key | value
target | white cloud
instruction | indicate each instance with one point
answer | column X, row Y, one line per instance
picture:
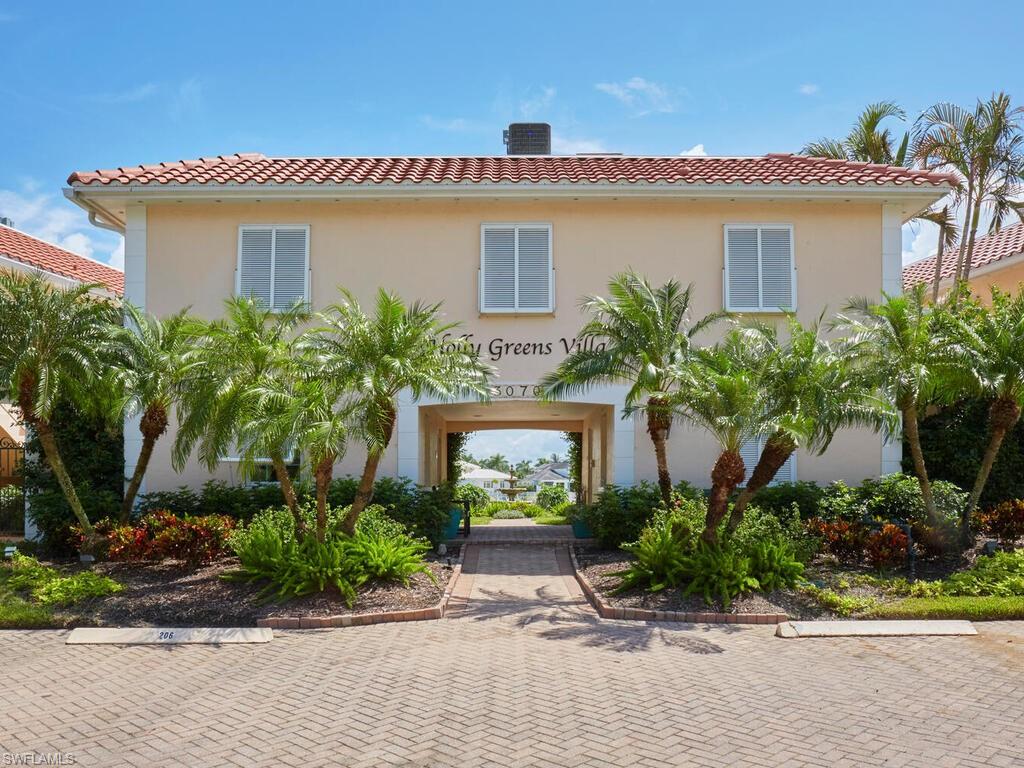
column 563, row 145
column 643, row 96
column 697, row 150
column 533, row 105
column 57, row 221
column 808, row 89
column 188, row 98
column 920, row 240
column 138, row 93
column 516, row 444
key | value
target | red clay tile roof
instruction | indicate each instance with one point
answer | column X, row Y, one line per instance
column 42, row 255
column 1009, row 241
column 781, row 169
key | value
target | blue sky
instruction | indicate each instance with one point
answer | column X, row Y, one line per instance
column 102, row 84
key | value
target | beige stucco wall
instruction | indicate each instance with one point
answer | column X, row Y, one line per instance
column 1007, row 278
column 431, row 250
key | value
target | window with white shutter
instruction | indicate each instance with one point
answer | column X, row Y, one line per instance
column 273, row 264
column 760, row 272
column 515, row 268
column 750, row 452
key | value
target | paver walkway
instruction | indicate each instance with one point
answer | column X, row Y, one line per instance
column 525, row 675
column 520, row 531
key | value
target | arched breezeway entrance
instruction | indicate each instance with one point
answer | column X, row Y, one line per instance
column 608, row 440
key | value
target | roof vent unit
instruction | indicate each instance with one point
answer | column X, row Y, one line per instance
column 528, row 139
column 6, row 222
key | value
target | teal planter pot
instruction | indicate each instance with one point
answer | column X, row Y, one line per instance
column 581, row 530
column 454, row 521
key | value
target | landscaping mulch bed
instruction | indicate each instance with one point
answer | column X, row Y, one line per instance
column 598, row 566
column 172, row 594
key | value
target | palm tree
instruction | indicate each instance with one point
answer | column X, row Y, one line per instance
column 498, row 462
column 224, row 405
column 949, row 233
column 313, row 411
column 641, row 336
column 153, row 355
column 988, row 344
column 811, row 393
column 54, row 346
column 867, row 141
column 722, row 390
column 985, row 148
column 398, row 348
column 895, row 342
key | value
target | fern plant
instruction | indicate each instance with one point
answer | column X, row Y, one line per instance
column 774, row 565
column 660, row 552
column 718, row 570
column 388, row 558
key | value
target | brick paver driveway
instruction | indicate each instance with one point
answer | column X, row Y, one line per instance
column 521, row 687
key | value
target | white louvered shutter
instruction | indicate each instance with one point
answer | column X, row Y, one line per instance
column 254, row 263
column 534, row 273
column 290, row 244
column 498, row 264
column 742, row 274
column 750, row 452
column 776, row 268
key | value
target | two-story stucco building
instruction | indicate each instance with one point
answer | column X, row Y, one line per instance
column 510, row 243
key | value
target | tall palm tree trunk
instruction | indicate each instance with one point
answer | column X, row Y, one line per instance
column 364, row 492
column 288, row 490
column 963, row 239
column 323, row 473
column 658, row 422
column 975, row 217
column 728, row 472
column 53, row 457
column 777, row 449
column 1003, row 414
column 917, row 456
column 939, row 253
column 152, row 426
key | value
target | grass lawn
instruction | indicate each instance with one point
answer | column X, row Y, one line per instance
column 946, row 607
column 550, row 519
column 18, row 613
column 482, row 520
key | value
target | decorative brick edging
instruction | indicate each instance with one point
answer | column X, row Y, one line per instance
column 606, row 611
column 362, row 619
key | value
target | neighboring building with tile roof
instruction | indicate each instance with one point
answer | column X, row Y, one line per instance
column 997, row 260
column 21, row 252
column 510, row 244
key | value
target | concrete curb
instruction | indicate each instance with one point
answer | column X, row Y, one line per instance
column 607, row 611
column 362, row 619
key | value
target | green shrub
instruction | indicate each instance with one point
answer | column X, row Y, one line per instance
column 508, row 514
column 93, row 453
column 890, row 499
column 1000, row 575
column 720, row 571
column 527, row 508
column 49, row 587
column 774, row 565
column 776, row 526
column 269, row 552
column 181, row 501
column 620, row 513
column 661, row 555
column 474, row 494
column 551, row 496
column 953, row 442
column 779, row 499
column 374, row 521
column 840, row 605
